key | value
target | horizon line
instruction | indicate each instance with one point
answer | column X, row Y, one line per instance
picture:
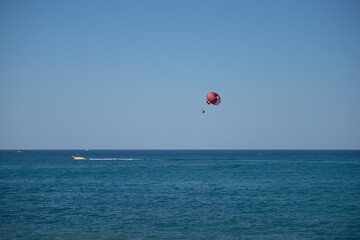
column 180, row 149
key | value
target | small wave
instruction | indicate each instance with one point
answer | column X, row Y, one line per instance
column 114, row 159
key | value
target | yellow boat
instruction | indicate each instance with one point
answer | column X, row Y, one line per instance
column 77, row 157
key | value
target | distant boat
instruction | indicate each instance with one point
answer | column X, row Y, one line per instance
column 77, row 157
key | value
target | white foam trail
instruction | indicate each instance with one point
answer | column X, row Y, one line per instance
column 113, row 159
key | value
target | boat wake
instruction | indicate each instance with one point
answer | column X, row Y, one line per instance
column 114, row 159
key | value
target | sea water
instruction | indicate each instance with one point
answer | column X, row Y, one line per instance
column 180, row 194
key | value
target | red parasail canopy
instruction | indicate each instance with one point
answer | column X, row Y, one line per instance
column 213, row 98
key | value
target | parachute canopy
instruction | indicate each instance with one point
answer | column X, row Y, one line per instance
column 213, row 98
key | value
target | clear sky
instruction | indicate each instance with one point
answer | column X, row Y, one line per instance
column 134, row 74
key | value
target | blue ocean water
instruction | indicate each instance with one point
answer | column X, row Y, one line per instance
column 180, row 194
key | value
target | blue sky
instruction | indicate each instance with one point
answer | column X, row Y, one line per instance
column 134, row 74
